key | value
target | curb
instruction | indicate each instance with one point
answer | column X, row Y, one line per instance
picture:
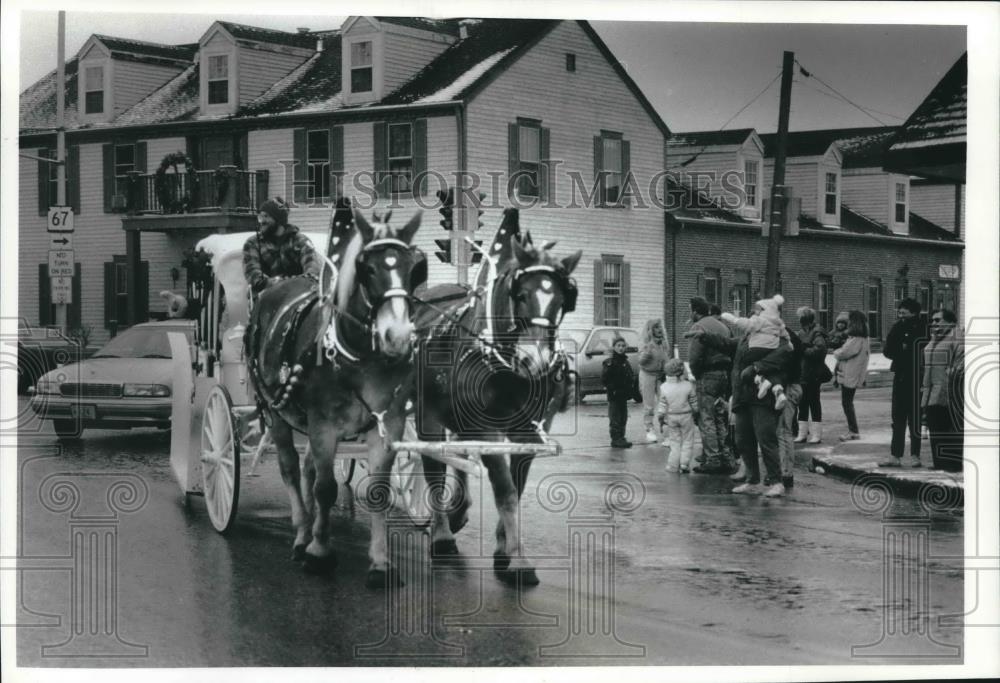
column 937, row 487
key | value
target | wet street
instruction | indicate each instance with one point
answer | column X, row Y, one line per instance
column 637, row 567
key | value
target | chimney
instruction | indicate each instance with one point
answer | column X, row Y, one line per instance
column 463, row 27
column 302, row 29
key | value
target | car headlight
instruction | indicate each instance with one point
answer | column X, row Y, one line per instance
column 47, row 387
column 145, row 390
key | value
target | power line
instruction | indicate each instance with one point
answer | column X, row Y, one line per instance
column 839, row 99
column 864, row 110
column 733, row 118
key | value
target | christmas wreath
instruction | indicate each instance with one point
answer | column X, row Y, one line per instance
column 174, row 194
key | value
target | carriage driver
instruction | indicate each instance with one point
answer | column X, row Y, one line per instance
column 278, row 249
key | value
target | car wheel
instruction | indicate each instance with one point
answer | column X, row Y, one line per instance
column 67, row 429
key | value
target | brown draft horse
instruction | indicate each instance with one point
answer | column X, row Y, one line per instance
column 336, row 363
column 488, row 367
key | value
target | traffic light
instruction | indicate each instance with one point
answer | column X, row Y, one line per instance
column 477, row 253
column 479, row 221
column 447, row 202
column 444, row 250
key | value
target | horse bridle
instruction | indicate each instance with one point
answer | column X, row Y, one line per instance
column 566, row 282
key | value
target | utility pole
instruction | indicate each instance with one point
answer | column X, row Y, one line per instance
column 61, row 317
column 779, row 199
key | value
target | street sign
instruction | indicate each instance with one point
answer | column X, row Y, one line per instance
column 61, row 241
column 60, row 263
column 60, row 219
column 62, row 290
column 946, row 272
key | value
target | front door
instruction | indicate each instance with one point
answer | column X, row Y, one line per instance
column 218, row 151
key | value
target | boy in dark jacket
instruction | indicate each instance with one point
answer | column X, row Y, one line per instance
column 619, row 381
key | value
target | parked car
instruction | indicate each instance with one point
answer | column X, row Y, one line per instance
column 589, row 348
column 40, row 349
column 127, row 383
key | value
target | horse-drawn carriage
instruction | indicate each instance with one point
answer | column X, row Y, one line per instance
column 298, row 360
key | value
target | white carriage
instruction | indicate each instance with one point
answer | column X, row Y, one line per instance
column 214, row 407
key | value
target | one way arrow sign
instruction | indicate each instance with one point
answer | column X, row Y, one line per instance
column 61, row 241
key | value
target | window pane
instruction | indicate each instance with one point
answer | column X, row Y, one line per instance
column 361, row 80
column 400, row 140
column 831, row 183
column 218, row 66
column 872, row 298
column 613, row 155
column 900, row 213
column 361, row 54
column 712, row 290
column 94, row 102
column 124, row 159
column 830, row 205
column 95, row 78
column 218, row 92
column 528, row 144
column 900, row 192
column 319, row 145
column 750, row 182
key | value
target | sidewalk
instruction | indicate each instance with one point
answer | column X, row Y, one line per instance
column 852, row 459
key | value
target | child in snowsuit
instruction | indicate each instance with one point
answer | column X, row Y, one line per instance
column 619, row 380
column 837, row 338
column 766, row 332
column 676, row 409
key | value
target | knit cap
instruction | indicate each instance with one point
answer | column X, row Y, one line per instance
column 276, row 209
column 674, row 368
column 769, row 307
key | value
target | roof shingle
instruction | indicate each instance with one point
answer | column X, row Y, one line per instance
column 710, row 138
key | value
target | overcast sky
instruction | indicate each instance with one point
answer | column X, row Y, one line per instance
column 697, row 75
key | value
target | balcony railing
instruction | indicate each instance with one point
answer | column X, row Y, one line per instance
column 224, row 189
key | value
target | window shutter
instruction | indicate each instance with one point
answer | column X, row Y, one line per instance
column 381, row 161
column 110, row 308
column 336, row 162
column 626, row 317
column 513, row 156
column 243, row 151
column 108, row 152
column 141, row 151
column 545, row 172
column 44, row 296
column 73, row 178
column 74, row 317
column 598, row 165
column 598, row 292
column 626, row 183
column 142, row 294
column 420, row 156
column 43, row 183
column 301, row 174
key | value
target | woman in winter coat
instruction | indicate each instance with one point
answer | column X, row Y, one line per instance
column 941, row 391
column 852, row 368
column 814, row 373
column 653, row 356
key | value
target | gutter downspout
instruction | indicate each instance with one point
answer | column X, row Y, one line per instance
column 673, row 279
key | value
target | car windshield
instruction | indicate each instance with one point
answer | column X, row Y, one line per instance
column 140, row 342
column 573, row 339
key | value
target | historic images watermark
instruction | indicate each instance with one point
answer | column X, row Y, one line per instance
column 417, row 627
column 553, row 185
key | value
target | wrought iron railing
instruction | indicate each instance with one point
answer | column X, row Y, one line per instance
column 224, row 189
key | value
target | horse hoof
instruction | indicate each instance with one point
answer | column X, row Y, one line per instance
column 382, row 579
column 518, row 577
column 444, row 548
column 500, row 562
column 314, row 564
column 458, row 519
column 299, row 552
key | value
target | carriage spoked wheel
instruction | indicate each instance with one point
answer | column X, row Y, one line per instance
column 220, row 459
column 408, row 481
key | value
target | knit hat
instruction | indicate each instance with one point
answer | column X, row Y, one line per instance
column 674, row 368
column 842, row 316
column 769, row 307
column 699, row 305
column 276, row 209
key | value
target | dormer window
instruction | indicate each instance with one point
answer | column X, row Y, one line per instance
column 361, row 66
column 94, row 90
column 900, row 203
column 750, row 184
column 218, row 79
column 830, row 194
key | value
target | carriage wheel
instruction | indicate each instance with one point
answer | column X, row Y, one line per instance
column 408, row 481
column 343, row 470
column 220, row 459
